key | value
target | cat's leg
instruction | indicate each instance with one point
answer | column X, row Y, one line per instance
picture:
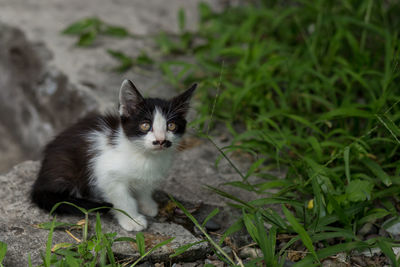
column 146, row 203
column 119, row 195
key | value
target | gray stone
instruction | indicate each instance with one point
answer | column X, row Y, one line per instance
column 367, row 229
column 19, row 217
column 36, row 99
column 394, row 229
column 211, row 225
column 44, row 20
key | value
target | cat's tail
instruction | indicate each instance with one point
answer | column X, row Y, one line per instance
column 47, row 199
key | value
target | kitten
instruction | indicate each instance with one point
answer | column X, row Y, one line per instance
column 114, row 160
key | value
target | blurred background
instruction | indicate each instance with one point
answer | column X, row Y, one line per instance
column 47, row 81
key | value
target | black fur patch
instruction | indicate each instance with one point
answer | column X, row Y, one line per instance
column 65, row 172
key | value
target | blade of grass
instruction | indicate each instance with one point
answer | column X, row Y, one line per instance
column 140, row 243
column 302, row 233
column 209, row 216
column 3, row 251
column 388, row 251
column 47, row 259
column 209, row 239
column 163, row 243
column 185, row 247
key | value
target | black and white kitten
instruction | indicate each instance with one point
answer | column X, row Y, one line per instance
column 114, row 160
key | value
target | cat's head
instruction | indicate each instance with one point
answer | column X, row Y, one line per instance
column 153, row 124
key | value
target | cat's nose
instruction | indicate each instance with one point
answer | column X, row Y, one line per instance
column 162, row 143
column 159, row 142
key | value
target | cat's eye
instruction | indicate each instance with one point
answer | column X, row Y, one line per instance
column 144, row 126
column 171, row 126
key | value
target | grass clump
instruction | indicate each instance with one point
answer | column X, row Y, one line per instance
column 95, row 250
column 311, row 88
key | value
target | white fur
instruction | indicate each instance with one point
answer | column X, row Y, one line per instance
column 159, row 126
column 131, row 168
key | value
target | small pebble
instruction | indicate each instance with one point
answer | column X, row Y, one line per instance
column 216, row 263
column 367, row 229
column 211, row 225
column 227, row 250
column 249, row 252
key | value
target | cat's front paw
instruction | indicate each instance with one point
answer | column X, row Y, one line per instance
column 138, row 224
column 149, row 208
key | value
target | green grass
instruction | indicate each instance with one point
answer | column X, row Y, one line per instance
column 3, row 251
column 95, row 250
column 312, row 89
column 309, row 88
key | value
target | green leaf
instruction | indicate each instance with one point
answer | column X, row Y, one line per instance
column 61, row 246
column 346, row 156
column 163, row 243
column 265, row 241
column 358, row 190
column 72, row 262
column 98, row 226
column 300, row 230
column 48, row 225
column 377, row 170
column 126, row 62
column 181, row 19
column 82, row 26
column 140, row 243
column 253, row 168
column 144, row 59
column 185, row 247
column 196, row 223
column 115, row 31
column 237, row 226
column 3, row 251
column 47, row 258
column 84, row 211
column 386, row 247
column 304, row 121
column 125, row 239
column 251, row 228
column 330, row 251
column 345, row 112
column 209, row 216
column 390, row 126
column 87, row 38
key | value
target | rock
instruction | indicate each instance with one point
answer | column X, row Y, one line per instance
column 211, row 225
column 250, row 252
column 288, row 263
column 394, row 230
column 227, row 250
column 92, row 67
column 367, row 229
column 371, row 252
column 36, row 99
column 19, row 217
column 215, row 263
column 145, row 264
column 340, row 260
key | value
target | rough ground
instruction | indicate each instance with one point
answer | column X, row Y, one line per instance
column 19, row 217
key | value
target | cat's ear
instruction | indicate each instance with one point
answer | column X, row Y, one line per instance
column 129, row 98
column 181, row 102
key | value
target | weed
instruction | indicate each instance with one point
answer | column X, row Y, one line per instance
column 310, row 88
column 3, row 251
column 90, row 251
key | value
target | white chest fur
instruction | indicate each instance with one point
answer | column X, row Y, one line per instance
column 126, row 163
